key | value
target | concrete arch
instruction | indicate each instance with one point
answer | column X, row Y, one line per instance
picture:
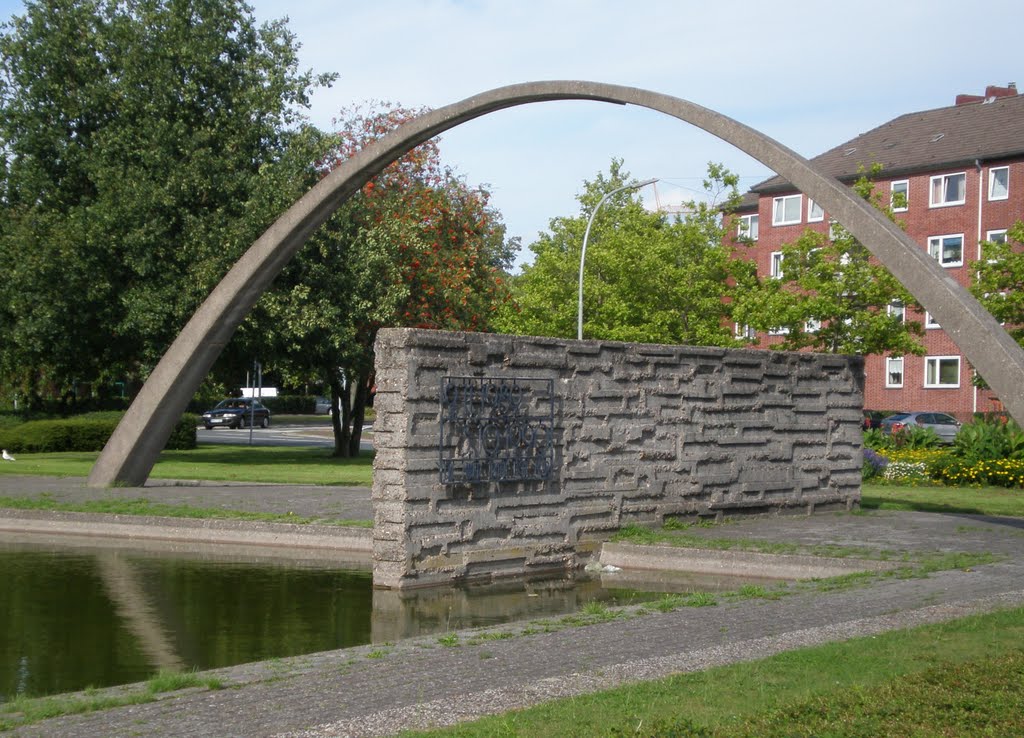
column 132, row 450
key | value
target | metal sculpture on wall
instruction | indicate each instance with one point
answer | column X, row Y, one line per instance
column 496, row 430
column 138, row 439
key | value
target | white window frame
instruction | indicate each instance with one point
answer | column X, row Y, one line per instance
column 775, row 264
column 942, row 181
column 898, row 310
column 992, row 183
column 783, row 331
column 891, row 364
column 815, row 213
column 906, row 195
column 745, row 332
column 936, row 247
column 929, row 322
column 936, row 362
column 748, row 223
column 779, row 207
column 996, row 236
column 813, row 325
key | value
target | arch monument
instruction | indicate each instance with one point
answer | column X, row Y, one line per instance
column 135, row 444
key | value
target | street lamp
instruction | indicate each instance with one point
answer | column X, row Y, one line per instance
column 583, row 253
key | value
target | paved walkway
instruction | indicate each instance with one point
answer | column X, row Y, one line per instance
column 417, row 683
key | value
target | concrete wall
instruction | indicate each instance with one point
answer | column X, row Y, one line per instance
column 639, row 433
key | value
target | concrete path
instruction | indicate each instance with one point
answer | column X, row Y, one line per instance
column 381, row 689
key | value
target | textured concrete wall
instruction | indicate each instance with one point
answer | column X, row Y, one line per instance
column 641, row 433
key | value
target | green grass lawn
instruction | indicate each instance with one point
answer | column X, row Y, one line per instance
column 281, row 464
column 961, row 678
column 970, row 500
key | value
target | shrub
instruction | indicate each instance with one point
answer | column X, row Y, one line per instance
column 874, row 438
column 874, row 464
column 916, row 437
column 906, row 471
column 988, row 440
column 82, row 433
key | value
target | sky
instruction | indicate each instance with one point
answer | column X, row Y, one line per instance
column 809, row 73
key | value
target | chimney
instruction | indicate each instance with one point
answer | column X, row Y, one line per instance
column 991, row 93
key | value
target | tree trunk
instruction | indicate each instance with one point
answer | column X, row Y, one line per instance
column 362, row 387
column 339, row 413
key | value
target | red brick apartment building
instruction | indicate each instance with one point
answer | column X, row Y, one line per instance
column 958, row 174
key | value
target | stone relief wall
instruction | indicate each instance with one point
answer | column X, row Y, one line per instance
column 507, row 456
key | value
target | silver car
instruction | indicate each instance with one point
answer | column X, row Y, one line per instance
column 945, row 426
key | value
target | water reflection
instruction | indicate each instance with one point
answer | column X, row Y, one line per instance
column 73, row 617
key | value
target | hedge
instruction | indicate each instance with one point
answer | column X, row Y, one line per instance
column 83, row 433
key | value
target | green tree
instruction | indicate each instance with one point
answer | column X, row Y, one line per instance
column 648, row 277
column 831, row 296
column 133, row 135
column 1000, row 283
column 416, row 247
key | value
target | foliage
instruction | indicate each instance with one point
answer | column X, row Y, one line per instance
column 905, row 471
column 832, row 295
column 415, row 247
column 87, row 432
column 1000, row 282
column 874, row 438
column 134, row 135
column 985, row 440
column 915, row 437
column 647, row 277
column 874, row 464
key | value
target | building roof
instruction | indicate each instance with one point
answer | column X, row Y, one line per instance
column 930, row 140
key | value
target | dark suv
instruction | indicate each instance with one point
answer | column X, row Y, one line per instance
column 236, row 413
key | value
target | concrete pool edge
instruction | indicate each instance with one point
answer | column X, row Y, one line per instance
column 355, row 545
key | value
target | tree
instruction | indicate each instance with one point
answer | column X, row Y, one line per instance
column 647, row 278
column 830, row 295
column 416, row 247
column 133, row 136
column 1000, row 283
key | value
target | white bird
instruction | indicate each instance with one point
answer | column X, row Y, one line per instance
column 7, row 456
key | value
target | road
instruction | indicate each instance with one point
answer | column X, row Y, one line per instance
column 279, row 435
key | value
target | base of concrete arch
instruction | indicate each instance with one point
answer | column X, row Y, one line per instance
column 502, row 456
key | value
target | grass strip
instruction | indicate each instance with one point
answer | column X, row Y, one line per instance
column 914, row 680
column 25, row 710
column 274, row 464
column 997, row 501
column 141, row 506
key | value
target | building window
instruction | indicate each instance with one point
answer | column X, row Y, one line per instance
column 899, row 197
column 898, row 311
column 999, row 183
column 748, row 227
column 786, row 210
column 894, row 371
column 813, row 325
column 949, row 250
column 775, row 265
column 949, row 189
column 929, row 321
column 998, row 236
column 783, row 331
column 745, row 332
column 942, row 371
column 815, row 213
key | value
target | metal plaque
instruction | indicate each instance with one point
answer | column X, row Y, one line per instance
column 496, row 430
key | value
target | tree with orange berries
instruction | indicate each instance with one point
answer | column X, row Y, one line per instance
column 416, row 247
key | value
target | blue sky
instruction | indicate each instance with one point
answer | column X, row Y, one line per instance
column 810, row 73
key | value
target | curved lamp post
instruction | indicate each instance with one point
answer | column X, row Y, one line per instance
column 583, row 253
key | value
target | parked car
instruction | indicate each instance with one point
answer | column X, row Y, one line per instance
column 236, row 413
column 945, row 426
column 872, row 419
column 322, row 406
